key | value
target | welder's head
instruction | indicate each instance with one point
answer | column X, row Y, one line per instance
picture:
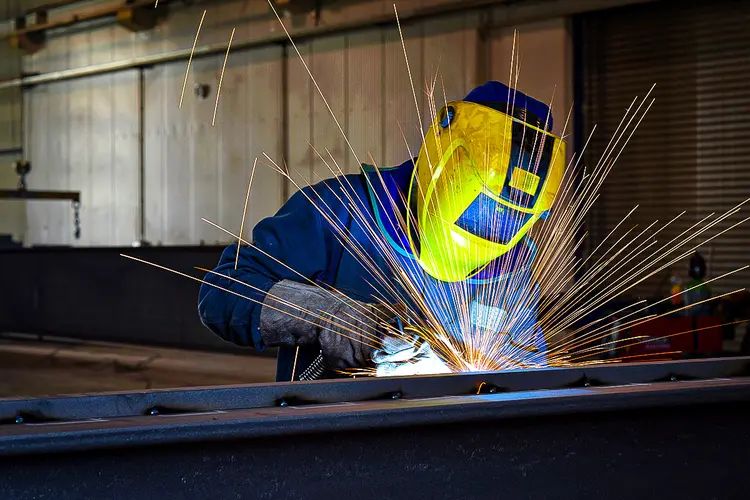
column 488, row 170
column 697, row 267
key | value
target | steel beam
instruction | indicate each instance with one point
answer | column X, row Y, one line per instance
column 22, row 194
column 659, row 430
column 11, row 152
column 159, row 425
column 78, row 18
column 200, row 400
column 688, row 452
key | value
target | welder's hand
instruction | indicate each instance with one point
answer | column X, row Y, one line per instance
column 407, row 355
column 348, row 331
column 352, row 334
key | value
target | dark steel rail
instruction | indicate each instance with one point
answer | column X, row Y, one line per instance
column 22, row 194
column 651, row 430
column 290, row 420
column 236, row 397
column 57, row 422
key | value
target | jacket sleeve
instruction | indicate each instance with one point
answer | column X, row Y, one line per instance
column 294, row 236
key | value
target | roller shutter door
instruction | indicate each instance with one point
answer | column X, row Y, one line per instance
column 692, row 151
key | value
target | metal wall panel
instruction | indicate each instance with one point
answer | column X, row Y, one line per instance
column 196, row 169
column 449, row 59
column 47, row 139
column 301, row 93
column 160, row 143
column 329, row 67
column 252, row 121
column 90, row 128
column 365, row 80
column 544, row 60
column 364, row 91
column 82, row 135
column 402, row 106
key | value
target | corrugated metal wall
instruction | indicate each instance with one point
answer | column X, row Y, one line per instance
column 690, row 152
column 365, row 80
column 82, row 134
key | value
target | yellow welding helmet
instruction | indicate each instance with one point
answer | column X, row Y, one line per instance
column 482, row 179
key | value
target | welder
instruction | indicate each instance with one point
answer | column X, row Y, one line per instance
column 697, row 291
column 488, row 169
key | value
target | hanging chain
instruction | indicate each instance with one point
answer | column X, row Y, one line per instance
column 77, row 219
column 22, row 168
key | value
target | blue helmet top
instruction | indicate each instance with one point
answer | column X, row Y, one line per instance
column 499, row 96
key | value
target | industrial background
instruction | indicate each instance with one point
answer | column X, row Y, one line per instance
column 90, row 97
column 85, row 134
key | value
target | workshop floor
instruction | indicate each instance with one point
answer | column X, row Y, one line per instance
column 43, row 368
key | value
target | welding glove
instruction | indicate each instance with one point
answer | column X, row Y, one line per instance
column 407, row 355
column 347, row 330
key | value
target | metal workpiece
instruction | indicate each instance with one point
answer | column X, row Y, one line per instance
column 202, row 399
column 674, row 452
column 94, row 421
column 627, row 431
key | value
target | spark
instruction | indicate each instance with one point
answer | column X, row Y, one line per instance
column 244, row 214
column 221, row 78
column 408, row 69
column 294, row 366
column 190, row 59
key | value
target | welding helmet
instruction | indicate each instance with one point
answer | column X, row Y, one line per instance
column 487, row 171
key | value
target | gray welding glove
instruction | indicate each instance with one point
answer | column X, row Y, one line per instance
column 297, row 314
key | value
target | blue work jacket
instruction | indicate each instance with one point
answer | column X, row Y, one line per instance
column 303, row 238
